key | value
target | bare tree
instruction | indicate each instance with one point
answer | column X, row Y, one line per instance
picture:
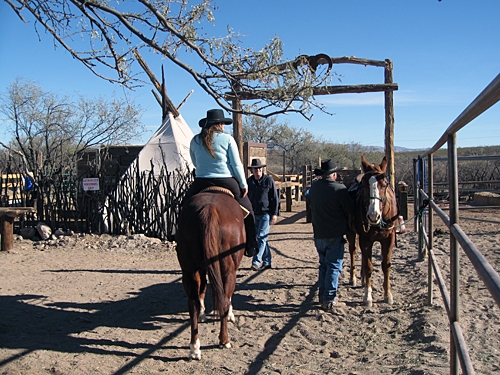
column 117, row 31
column 258, row 129
column 51, row 131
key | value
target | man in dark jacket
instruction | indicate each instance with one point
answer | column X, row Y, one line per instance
column 332, row 210
column 265, row 203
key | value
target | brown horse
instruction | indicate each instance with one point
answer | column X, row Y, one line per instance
column 375, row 220
column 210, row 239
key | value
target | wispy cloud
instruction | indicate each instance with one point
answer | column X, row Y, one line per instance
column 401, row 98
column 348, row 100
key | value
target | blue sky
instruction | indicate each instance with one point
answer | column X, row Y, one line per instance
column 444, row 54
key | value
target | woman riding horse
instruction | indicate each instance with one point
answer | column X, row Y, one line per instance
column 216, row 159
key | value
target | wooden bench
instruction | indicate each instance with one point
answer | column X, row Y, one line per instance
column 7, row 216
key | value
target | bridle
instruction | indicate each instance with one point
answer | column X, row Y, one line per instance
column 378, row 177
column 381, row 223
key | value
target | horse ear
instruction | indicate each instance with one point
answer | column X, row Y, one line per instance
column 364, row 164
column 383, row 165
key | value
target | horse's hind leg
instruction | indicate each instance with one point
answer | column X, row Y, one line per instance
column 229, row 287
column 351, row 239
column 230, row 314
column 386, row 267
column 202, row 317
column 191, row 284
column 367, row 270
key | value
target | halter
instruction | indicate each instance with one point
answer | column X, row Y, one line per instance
column 378, row 178
column 382, row 225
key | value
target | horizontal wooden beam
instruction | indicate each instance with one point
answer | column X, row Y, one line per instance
column 342, row 60
column 355, row 88
column 326, row 90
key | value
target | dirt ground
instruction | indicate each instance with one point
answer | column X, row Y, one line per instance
column 115, row 305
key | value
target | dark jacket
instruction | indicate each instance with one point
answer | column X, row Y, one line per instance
column 331, row 208
column 263, row 195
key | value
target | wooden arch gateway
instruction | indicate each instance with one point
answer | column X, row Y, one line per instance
column 387, row 87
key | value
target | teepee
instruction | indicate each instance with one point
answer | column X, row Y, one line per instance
column 169, row 147
column 147, row 198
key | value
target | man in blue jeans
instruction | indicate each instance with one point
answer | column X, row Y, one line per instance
column 332, row 210
column 265, row 203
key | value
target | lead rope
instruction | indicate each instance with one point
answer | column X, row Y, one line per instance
column 419, row 213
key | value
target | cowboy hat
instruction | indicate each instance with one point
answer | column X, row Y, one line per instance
column 327, row 167
column 256, row 163
column 214, row 116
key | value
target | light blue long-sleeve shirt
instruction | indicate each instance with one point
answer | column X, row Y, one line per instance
column 226, row 163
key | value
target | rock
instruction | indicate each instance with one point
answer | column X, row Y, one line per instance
column 44, row 230
column 28, row 233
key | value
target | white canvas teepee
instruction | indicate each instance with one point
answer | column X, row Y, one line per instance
column 168, row 146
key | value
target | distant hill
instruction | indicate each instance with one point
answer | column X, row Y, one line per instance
column 404, row 149
column 396, row 149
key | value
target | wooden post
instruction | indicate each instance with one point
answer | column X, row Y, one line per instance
column 402, row 193
column 237, row 126
column 7, row 215
column 7, row 231
column 288, row 195
column 389, row 121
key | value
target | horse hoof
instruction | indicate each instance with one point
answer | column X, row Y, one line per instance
column 202, row 318
column 225, row 346
column 354, row 282
column 194, row 350
column 367, row 298
column 195, row 355
column 389, row 300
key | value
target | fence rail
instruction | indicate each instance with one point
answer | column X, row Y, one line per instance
column 459, row 350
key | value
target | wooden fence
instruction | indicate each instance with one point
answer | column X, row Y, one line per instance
column 145, row 202
column 459, row 353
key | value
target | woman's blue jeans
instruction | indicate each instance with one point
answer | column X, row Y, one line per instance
column 331, row 260
column 262, row 226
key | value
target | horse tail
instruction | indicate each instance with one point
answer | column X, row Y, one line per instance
column 210, row 227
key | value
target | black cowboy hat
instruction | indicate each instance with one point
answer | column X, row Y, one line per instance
column 327, row 167
column 214, row 116
column 256, row 163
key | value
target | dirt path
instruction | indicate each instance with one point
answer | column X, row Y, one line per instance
column 113, row 305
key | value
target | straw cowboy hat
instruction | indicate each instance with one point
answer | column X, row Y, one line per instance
column 214, row 116
column 256, row 163
column 327, row 167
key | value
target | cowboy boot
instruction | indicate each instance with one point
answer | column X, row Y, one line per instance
column 251, row 247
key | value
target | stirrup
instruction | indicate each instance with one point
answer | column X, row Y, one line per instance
column 245, row 212
column 251, row 251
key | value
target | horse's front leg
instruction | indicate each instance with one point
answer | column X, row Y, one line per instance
column 367, row 270
column 387, row 247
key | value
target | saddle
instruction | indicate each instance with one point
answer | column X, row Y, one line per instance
column 220, row 189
